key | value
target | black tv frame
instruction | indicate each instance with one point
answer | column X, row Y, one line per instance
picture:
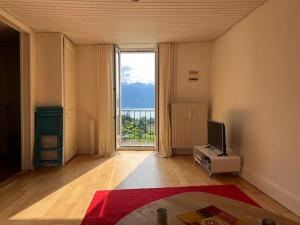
column 223, row 150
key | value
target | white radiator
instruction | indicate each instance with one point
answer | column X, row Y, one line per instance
column 189, row 125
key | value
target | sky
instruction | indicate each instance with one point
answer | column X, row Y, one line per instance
column 138, row 67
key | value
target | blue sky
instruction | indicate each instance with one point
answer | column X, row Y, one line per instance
column 142, row 67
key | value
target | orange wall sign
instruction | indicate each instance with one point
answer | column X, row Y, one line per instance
column 193, row 75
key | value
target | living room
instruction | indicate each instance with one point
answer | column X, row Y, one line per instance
column 237, row 61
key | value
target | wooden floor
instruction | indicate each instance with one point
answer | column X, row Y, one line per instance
column 56, row 197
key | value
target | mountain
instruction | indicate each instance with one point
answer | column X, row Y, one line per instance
column 137, row 95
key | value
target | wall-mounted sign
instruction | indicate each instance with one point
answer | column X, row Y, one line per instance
column 193, row 75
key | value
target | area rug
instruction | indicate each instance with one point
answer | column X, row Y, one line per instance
column 109, row 206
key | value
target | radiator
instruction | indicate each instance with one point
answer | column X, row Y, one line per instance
column 188, row 125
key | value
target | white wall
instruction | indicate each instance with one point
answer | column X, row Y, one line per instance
column 256, row 92
column 56, row 85
column 49, row 88
column 86, row 94
column 193, row 56
column 189, row 56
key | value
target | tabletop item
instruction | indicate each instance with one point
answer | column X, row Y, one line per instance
column 192, row 201
column 162, row 216
column 268, row 221
column 211, row 215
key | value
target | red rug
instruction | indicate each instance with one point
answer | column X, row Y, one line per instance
column 108, row 207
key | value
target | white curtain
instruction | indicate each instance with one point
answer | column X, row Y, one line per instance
column 105, row 100
column 165, row 86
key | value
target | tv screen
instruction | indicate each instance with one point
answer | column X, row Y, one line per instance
column 216, row 135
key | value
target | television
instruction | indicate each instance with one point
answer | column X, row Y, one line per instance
column 216, row 136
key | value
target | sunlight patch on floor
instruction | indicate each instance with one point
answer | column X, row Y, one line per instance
column 50, row 207
column 76, row 196
column 126, row 166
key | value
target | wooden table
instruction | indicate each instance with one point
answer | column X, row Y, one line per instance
column 191, row 201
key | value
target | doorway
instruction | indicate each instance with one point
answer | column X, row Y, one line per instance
column 135, row 99
column 10, row 107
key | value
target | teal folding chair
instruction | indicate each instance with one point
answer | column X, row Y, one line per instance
column 48, row 122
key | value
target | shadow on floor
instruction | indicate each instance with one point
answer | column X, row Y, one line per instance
column 32, row 185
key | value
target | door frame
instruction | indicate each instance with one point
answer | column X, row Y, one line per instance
column 138, row 50
column 27, row 82
column 117, row 53
column 25, row 100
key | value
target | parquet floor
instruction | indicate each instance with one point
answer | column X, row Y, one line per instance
column 61, row 196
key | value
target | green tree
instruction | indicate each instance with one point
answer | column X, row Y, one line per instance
column 142, row 127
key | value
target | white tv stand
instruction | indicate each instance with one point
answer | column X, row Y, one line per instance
column 208, row 158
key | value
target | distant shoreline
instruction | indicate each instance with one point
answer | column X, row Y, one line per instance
column 137, row 108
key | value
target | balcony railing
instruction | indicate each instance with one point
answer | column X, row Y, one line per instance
column 138, row 127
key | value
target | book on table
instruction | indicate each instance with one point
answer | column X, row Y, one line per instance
column 210, row 215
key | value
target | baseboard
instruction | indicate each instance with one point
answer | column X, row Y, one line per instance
column 182, row 151
column 84, row 151
column 278, row 193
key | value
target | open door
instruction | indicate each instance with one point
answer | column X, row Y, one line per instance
column 117, row 97
column 10, row 102
column 135, row 90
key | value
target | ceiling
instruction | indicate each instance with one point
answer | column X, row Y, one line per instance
column 127, row 21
